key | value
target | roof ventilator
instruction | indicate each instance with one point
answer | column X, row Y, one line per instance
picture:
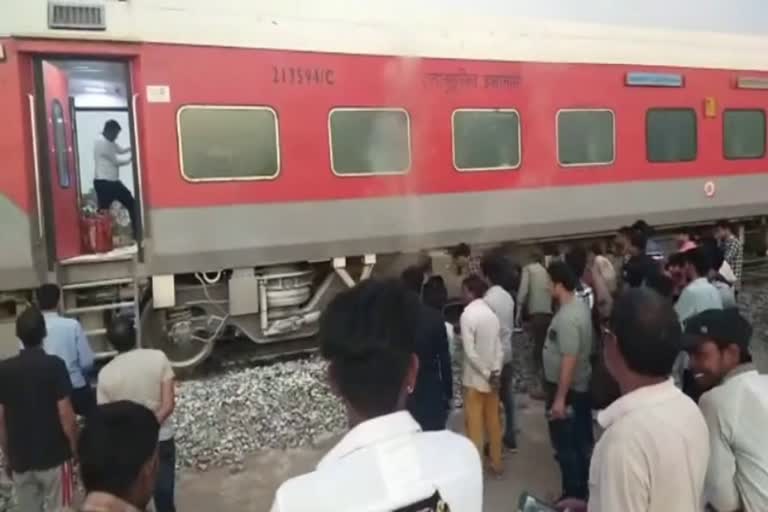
column 76, row 16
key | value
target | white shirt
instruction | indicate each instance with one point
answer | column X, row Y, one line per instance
column 502, row 303
column 138, row 376
column 727, row 272
column 387, row 463
column 737, row 416
column 653, row 454
column 586, row 294
column 480, row 337
column 106, row 162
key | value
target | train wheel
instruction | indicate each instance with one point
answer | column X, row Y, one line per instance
column 185, row 347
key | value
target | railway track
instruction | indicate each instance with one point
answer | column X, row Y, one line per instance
column 755, row 269
column 241, row 353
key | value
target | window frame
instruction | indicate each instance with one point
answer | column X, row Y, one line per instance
column 360, row 174
column 695, row 134
column 765, row 133
column 557, row 137
column 487, row 169
column 228, row 107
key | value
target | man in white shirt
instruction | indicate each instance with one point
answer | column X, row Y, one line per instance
column 107, row 163
column 735, row 408
column 385, row 462
column 501, row 302
column 483, row 357
column 653, row 454
column 144, row 376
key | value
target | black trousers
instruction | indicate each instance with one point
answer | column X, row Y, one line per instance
column 108, row 191
column 573, row 439
column 166, row 477
column 507, row 397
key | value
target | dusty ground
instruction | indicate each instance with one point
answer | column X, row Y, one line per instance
column 532, row 469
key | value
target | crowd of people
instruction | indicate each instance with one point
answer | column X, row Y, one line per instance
column 125, row 451
column 642, row 360
column 648, row 344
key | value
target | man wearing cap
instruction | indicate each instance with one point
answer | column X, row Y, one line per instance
column 735, row 407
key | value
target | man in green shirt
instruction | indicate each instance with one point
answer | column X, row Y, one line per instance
column 567, row 372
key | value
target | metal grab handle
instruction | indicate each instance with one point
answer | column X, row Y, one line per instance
column 137, row 152
column 36, row 162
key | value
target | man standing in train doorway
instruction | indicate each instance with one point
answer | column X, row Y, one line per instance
column 107, row 163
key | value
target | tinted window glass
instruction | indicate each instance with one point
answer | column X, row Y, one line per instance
column 370, row 141
column 60, row 143
column 585, row 137
column 228, row 143
column 486, row 139
column 744, row 134
column 671, row 135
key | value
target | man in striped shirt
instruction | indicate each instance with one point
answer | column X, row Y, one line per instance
column 734, row 251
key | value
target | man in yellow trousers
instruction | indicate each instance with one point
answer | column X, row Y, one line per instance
column 480, row 335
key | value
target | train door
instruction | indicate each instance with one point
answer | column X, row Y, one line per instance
column 62, row 176
column 79, row 97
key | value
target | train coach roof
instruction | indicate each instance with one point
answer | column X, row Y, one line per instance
column 419, row 29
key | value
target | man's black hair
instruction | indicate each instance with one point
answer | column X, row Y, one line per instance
column 700, row 260
column 122, row 334
column 461, row 250
column 597, row 248
column 48, row 296
column 642, row 226
column 647, row 331
column 112, row 126
column 476, row 285
column 435, row 294
column 724, row 224
column 715, row 253
column 368, row 334
column 577, row 260
column 561, row 273
column 494, row 267
column 117, row 441
column 30, row 327
column 413, row 278
column 638, row 239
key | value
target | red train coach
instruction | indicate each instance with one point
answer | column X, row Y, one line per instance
column 269, row 148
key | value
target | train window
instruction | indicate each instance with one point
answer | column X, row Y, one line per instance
column 671, row 135
column 366, row 141
column 219, row 143
column 585, row 137
column 485, row 140
column 60, row 143
column 743, row 134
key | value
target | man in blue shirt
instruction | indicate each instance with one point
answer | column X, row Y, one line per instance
column 66, row 340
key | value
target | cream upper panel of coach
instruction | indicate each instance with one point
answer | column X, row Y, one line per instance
column 405, row 27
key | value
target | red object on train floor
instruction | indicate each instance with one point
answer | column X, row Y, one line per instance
column 96, row 233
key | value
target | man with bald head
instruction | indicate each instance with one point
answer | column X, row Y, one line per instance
column 144, row 376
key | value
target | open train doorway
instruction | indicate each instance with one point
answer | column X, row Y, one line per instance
column 88, row 160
